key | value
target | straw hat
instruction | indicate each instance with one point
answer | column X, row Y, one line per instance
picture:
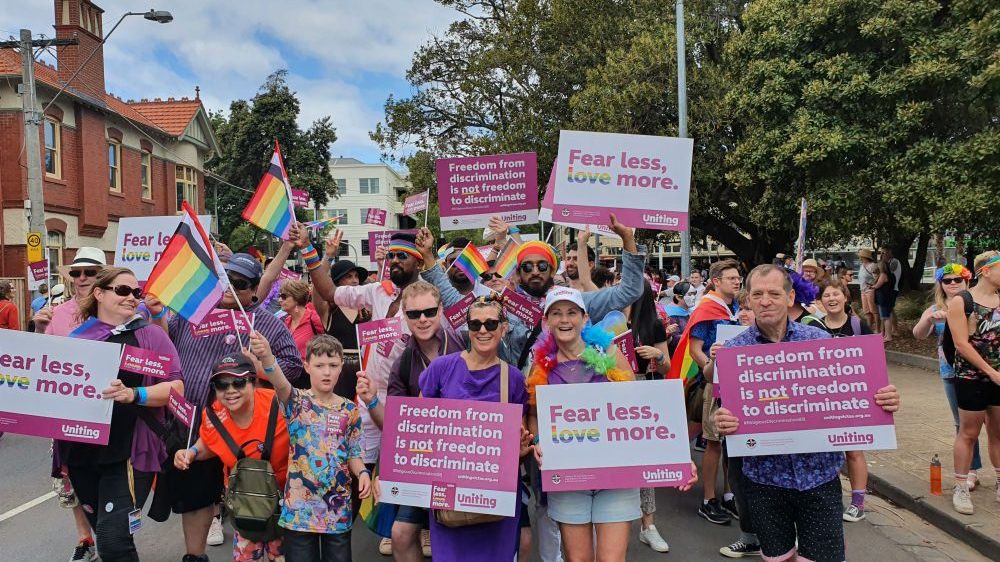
column 867, row 254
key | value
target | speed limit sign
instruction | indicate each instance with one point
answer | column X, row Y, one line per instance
column 36, row 252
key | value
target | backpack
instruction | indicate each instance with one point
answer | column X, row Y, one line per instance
column 947, row 342
column 253, row 498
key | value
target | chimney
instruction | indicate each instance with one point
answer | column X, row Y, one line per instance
column 83, row 19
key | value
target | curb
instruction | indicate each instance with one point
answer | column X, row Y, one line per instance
column 911, row 360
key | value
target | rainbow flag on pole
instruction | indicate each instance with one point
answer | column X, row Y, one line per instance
column 271, row 206
column 186, row 278
column 506, row 262
column 682, row 365
column 471, row 262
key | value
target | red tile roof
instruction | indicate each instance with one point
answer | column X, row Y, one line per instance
column 171, row 115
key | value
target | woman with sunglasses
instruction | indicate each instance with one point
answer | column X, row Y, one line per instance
column 300, row 317
column 950, row 280
column 63, row 319
column 112, row 481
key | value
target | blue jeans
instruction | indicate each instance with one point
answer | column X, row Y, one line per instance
column 949, row 391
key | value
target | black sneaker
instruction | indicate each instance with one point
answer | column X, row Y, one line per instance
column 730, row 507
column 84, row 552
column 194, row 558
column 714, row 513
column 739, row 549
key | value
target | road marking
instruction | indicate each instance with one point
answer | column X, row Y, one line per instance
column 26, row 506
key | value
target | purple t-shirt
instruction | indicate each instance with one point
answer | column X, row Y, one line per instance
column 449, row 377
column 574, row 372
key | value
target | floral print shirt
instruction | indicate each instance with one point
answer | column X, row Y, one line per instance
column 986, row 339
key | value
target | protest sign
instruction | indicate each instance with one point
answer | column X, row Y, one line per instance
column 300, row 198
column 613, row 435
column 806, row 397
column 517, row 304
column 416, row 203
column 626, row 345
column 183, row 410
column 141, row 241
column 451, row 454
column 145, row 362
column 376, row 216
column 723, row 333
column 545, row 213
column 288, row 274
column 379, row 331
column 39, row 270
column 380, row 239
column 648, row 178
column 473, row 189
column 51, row 386
column 456, row 313
column 221, row 321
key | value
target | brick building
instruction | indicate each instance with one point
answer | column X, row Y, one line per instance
column 103, row 158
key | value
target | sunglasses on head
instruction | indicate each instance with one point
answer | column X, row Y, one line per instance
column 223, row 385
column 401, row 256
column 528, row 267
column 477, row 325
column 125, row 290
column 416, row 314
column 952, row 281
column 240, row 284
column 76, row 273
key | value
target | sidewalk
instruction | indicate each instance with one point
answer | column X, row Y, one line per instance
column 924, row 427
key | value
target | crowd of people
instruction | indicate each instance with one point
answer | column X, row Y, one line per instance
column 295, row 396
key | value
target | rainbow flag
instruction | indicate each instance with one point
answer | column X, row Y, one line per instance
column 186, row 277
column 271, row 206
column 682, row 365
column 506, row 262
column 471, row 262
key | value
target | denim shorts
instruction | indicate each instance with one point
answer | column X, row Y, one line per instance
column 594, row 506
column 413, row 515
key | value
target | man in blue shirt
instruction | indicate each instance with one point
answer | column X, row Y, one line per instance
column 793, row 497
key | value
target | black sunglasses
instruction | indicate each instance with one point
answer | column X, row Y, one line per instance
column 528, row 267
column 416, row 314
column 223, row 385
column 477, row 325
column 75, row 273
column 401, row 256
column 952, row 281
column 125, row 290
column 240, row 284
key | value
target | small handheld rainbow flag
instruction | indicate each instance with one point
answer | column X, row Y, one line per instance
column 506, row 262
column 471, row 262
column 271, row 206
column 186, row 277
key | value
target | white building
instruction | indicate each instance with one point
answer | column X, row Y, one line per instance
column 360, row 187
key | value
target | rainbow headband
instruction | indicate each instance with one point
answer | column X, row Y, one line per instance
column 992, row 261
column 404, row 246
column 537, row 248
column 952, row 269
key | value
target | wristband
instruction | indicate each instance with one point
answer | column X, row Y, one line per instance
column 365, row 471
column 163, row 312
column 373, row 404
column 195, row 449
column 140, row 395
column 270, row 369
column 661, row 357
column 311, row 257
column 535, row 440
column 513, row 230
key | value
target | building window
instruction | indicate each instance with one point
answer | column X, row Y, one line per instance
column 364, row 214
column 54, row 250
column 114, row 167
column 187, row 188
column 364, row 247
column 369, row 185
column 146, row 170
column 341, row 186
column 53, row 148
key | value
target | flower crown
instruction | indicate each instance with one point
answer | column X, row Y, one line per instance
column 952, row 269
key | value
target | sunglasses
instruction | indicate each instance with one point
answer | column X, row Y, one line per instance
column 125, row 290
column 477, row 325
column 952, row 281
column 528, row 267
column 240, row 284
column 223, row 385
column 401, row 256
column 416, row 314
column 76, row 273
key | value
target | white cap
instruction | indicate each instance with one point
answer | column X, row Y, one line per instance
column 674, row 278
column 569, row 294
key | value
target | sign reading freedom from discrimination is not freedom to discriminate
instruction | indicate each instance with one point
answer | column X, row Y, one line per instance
column 644, row 180
column 614, row 435
column 473, row 189
column 451, row 454
column 806, row 397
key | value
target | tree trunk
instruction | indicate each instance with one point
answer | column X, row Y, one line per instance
column 919, row 261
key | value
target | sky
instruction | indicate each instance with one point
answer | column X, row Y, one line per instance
column 343, row 57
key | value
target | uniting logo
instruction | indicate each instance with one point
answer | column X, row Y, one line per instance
column 659, row 218
column 80, row 431
column 475, row 500
column 662, row 475
column 851, row 438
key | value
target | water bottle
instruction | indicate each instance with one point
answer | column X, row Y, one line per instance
column 936, row 476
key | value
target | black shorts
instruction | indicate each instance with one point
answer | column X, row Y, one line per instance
column 776, row 513
column 196, row 488
column 976, row 395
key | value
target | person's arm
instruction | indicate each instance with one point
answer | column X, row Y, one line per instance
column 583, row 262
column 888, row 398
column 14, row 317
column 197, row 452
column 435, row 274
column 319, row 273
column 261, row 349
column 881, row 280
column 357, row 468
column 599, row 303
column 368, row 393
column 42, row 319
column 158, row 314
column 925, row 326
column 697, row 352
column 286, row 353
column 274, row 269
column 156, row 395
column 659, row 352
column 503, row 229
column 958, row 323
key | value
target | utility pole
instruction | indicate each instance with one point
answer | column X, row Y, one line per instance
column 682, row 125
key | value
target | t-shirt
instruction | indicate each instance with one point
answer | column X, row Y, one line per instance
column 705, row 331
column 321, row 440
column 985, row 338
column 9, row 318
column 251, row 437
column 844, row 331
column 37, row 304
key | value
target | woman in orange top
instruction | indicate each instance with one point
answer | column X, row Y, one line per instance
column 9, row 316
column 243, row 411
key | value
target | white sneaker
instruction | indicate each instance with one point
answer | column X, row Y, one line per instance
column 853, row 514
column 84, row 552
column 973, row 480
column 385, row 547
column 652, row 537
column 961, row 500
column 215, row 534
column 425, row 543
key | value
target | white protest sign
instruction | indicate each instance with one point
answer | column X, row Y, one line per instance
column 141, row 240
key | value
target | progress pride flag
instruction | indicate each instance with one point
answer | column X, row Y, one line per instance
column 806, row 397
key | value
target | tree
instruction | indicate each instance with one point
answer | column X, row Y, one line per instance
column 247, row 138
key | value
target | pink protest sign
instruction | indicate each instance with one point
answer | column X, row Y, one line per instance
column 376, row 216
column 380, row 239
column 473, row 189
column 416, row 203
column 519, row 305
column 456, row 313
column 806, row 397
column 39, row 270
column 613, row 435
column 456, row 454
column 626, row 345
column 145, row 362
column 656, row 287
column 221, row 321
column 300, row 198
column 183, row 410
column 288, row 274
column 648, row 178
column 379, row 331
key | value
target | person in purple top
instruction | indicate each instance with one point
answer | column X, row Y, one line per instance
column 794, row 500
